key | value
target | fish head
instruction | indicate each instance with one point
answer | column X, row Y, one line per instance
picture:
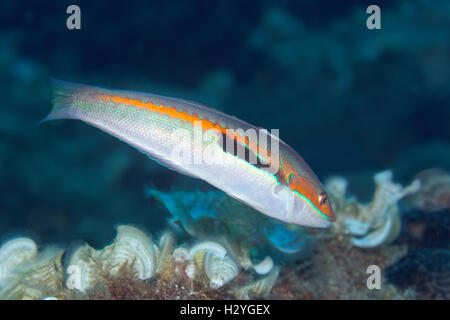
column 309, row 204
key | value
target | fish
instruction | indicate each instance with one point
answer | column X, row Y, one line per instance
column 193, row 139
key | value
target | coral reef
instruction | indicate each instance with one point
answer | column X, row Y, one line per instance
column 12, row 254
column 434, row 193
column 426, row 267
column 424, row 229
column 134, row 267
column 377, row 222
column 131, row 249
column 425, row 270
column 27, row 273
column 219, row 270
column 248, row 235
column 338, row 270
column 131, row 267
column 259, row 287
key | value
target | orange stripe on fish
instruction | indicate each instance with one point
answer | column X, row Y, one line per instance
column 175, row 114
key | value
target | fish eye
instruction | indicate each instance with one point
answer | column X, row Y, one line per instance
column 322, row 198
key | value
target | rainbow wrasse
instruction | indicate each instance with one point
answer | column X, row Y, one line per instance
column 247, row 162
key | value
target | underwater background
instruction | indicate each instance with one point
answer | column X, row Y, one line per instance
column 352, row 101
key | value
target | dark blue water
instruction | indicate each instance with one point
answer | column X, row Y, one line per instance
column 351, row 101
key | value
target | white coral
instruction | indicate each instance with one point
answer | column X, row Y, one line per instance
column 261, row 287
column 13, row 254
column 377, row 222
column 134, row 248
column 264, row 267
column 219, row 270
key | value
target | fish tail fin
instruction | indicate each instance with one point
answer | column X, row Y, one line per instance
column 63, row 94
